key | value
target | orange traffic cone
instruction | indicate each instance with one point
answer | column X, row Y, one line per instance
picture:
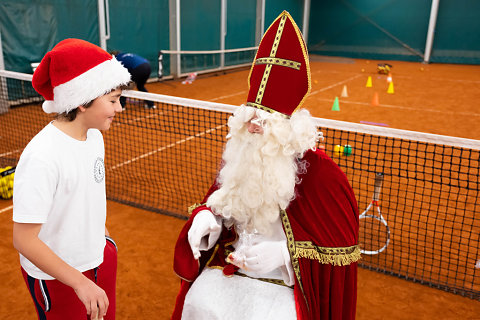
column 344, row 92
column 375, row 99
column 390, row 88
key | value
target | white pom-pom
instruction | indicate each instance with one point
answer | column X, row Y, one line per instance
column 49, row 106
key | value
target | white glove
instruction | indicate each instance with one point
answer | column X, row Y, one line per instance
column 266, row 256
column 204, row 224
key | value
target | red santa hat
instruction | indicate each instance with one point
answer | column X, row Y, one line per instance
column 76, row 72
column 279, row 79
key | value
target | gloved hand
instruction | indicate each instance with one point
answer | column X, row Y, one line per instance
column 204, row 224
column 266, row 256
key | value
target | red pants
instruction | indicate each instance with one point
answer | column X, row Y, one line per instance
column 56, row 301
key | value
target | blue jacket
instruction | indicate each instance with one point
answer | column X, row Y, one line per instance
column 131, row 60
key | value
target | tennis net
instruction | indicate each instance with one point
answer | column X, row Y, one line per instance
column 165, row 159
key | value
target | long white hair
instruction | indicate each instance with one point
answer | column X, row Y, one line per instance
column 260, row 170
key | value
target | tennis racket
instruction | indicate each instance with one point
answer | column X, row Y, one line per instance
column 374, row 230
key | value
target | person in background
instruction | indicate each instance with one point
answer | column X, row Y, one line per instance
column 276, row 236
column 67, row 258
column 139, row 68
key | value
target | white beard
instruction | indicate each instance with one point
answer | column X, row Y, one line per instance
column 254, row 185
column 260, row 170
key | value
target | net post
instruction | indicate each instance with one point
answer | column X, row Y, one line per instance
column 160, row 64
column 3, row 84
column 4, row 105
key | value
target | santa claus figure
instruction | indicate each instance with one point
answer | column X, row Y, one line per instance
column 276, row 236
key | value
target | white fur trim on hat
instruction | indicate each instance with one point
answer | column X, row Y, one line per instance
column 88, row 86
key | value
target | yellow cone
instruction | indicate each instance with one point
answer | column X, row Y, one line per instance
column 369, row 82
column 344, row 92
column 390, row 88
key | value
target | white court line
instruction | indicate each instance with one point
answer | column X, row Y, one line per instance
column 454, row 80
column 10, row 152
column 435, row 79
column 406, row 108
column 175, row 143
column 228, row 96
column 166, row 147
column 332, row 71
column 143, row 118
column 335, row 84
column 6, row 209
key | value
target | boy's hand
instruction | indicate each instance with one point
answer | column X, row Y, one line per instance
column 94, row 299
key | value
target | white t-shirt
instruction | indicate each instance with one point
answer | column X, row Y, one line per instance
column 60, row 183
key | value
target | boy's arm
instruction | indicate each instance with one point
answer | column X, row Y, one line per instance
column 26, row 241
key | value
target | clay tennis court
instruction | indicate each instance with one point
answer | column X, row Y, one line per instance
column 439, row 99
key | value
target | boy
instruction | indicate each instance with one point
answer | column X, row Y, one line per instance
column 59, row 201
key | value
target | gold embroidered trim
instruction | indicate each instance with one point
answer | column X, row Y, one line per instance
column 291, row 250
column 193, row 207
column 268, row 68
column 307, row 61
column 341, row 256
column 213, row 256
column 280, row 62
column 263, row 84
column 273, row 281
column 184, row 279
column 259, row 106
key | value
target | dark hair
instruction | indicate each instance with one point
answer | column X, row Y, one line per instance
column 72, row 114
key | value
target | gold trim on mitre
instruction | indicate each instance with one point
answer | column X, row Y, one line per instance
column 259, row 106
column 280, row 62
column 284, row 16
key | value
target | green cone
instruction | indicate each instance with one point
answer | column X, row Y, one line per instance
column 336, row 106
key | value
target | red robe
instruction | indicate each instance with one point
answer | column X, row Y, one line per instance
column 321, row 226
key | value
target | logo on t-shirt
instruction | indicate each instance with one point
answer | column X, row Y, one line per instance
column 99, row 170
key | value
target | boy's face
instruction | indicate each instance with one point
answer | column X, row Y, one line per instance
column 102, row 111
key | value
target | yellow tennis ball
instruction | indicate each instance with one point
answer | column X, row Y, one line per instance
column 363, row 70
column 7, row 193
column 315, row 81
column 3, row 192
column 338, row 150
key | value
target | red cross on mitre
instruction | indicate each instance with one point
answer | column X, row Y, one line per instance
column 279, row 79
